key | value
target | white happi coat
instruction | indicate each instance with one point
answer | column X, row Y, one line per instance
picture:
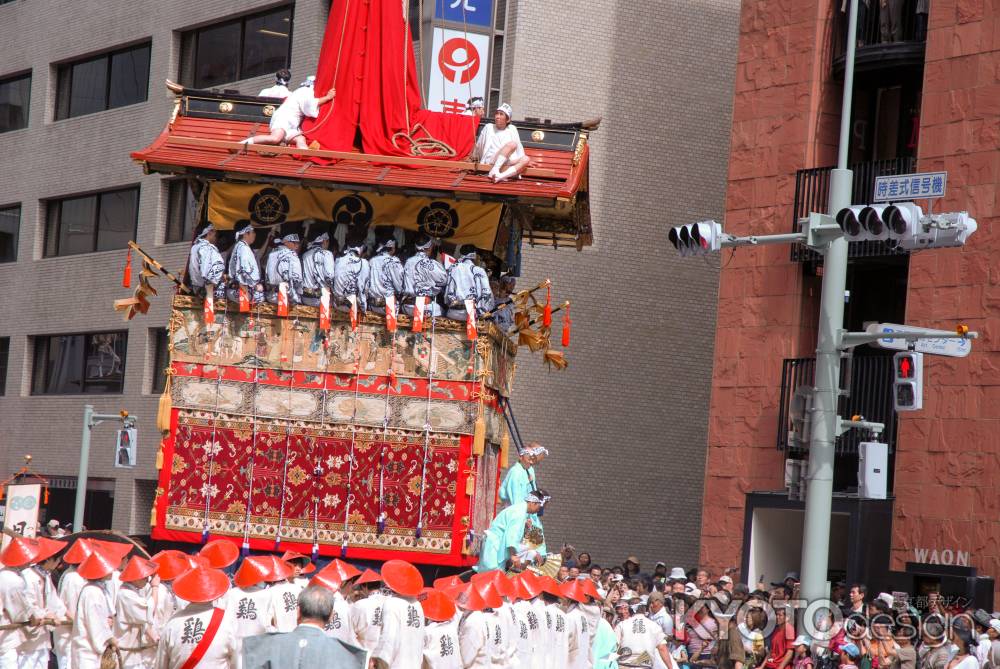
column 135, row 612
column 425, row 277
column 578, row 638
column 468, row 281
column 528, row 640
column 205, row 264
column 70, row 584
column 186, row 628
column 45, row 603
column 317, row 270
column 441, row 647
column 385, row 277
column 499, row 639
column 491, row 140
column 474, row 640
column 15, row 607
column 252, row 610
column 540, row 658
column 366, row 619
column 339, row 626
column 640, row 634
column 287, row 268
column 401, row 642
column 289, row 115
column 350, row 277
column 558, row 636
column 285, row 603
column 92, row 625
column 243, row 269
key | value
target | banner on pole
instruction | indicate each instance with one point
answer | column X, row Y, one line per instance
column 21, row 510
column 459, row 67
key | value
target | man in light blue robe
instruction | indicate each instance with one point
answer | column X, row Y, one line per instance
column 467, row 281
column 506, row 534
column 520, row 479
column 287, row 268
column 423, row 276
column 385, row 276
column 350, row 278
column 205, row 264
column 243, row 268
column 317, row 270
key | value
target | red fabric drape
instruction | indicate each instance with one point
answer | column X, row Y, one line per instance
column 368, row 38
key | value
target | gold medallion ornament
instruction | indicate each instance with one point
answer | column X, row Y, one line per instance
column 225, row 107
column 268, row 110
column 537, row 136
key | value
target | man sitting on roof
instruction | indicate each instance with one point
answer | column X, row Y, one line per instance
column 286, row 122
column 280, row 88
column 475, row 107
column 499, row 143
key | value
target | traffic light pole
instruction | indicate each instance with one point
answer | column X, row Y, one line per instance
column 90, row 421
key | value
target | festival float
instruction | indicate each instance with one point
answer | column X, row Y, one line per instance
column 307, row 430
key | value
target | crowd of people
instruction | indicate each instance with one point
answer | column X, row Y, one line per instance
column 96, row 603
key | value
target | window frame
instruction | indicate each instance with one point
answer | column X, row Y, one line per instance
column 56, row 203
column 160, row 365
column 4, row 364
column 169, row 213
column 65, row 70
column 41, row 355
column 18, row 76
column 192, row 47
column 17, row 232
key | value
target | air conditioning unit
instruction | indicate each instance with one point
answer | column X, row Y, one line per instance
column 873, row 469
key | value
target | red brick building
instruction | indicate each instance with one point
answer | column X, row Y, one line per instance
column 924, row 101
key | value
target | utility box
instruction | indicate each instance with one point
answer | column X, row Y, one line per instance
column 873, row 469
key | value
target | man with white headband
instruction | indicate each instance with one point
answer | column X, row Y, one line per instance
column 350, row 279
column 280, row 88
column 503, row 538
column 475, row 107
column 385, row 276
column 467, row 281
column 243, row 268
column 205, row 264
column 499, row 144
column 287, row 269
column 423, row 277
column 286, row 121
column 317, row 269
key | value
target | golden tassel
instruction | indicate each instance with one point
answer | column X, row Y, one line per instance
column 159, row 459
column 152, row 516
column 504, row 448
column 479, row 436
column 470, row 485
column 166, row 405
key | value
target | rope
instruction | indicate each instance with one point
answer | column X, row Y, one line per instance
column 354, row 433
column 427, row 423
column 253, row 441
column 336, row 72
column 288, row 437
column 428, row 146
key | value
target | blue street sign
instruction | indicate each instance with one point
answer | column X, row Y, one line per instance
column 901, row 187
column 470, row 12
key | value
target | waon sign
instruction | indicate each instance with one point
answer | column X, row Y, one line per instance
column 459, row 67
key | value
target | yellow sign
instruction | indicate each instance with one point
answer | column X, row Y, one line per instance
column 455, row 221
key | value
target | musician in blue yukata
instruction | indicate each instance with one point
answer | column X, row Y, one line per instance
column 350, row 278
column 520, row 479
column 507, row 531
column 467, row 281
column 385, row 276
column 287, row 269
column 317, row 269
column 244, row 272
column 423, row 276
column 503, row 310
column 205, row 264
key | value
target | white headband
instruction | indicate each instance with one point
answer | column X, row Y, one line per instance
column 532, row 497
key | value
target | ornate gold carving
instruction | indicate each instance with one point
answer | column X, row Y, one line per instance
column 225, row 107
column 580, row 145
column 537, row 136
column 268, row 110
column 175, row 112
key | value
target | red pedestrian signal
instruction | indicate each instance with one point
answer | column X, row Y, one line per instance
column 908, row 384
column 905, row 368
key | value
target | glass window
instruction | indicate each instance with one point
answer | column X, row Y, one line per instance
column 238, row 49
column 110, row 80
column 79, row 364
column 161, row 359
column 181, row 207
column 4, row 354
column 10, row 224
column 15, row 95
column 98, row 222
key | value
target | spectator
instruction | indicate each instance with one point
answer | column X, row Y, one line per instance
column 849, row 656
column 780, row 656
column 905, row 656
column 801, row 659
column 567, row 555
column 631, row 566
column 574, row 573
column 701, row 579
column 730, row 653
column 583, row 561
column 964, row 639
column 563, row 573
column 658, row 613
column 856, row 598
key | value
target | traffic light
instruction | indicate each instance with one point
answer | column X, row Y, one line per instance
column 903, row 220
column 940, row 231
column 696, row 238
column 871, row 221
column 849, row 220
column 904, row 225
column 908, row 381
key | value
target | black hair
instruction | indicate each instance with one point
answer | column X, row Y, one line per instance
column 862, row 588
column 283, row 76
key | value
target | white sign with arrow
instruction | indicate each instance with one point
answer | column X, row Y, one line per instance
column 954, row 347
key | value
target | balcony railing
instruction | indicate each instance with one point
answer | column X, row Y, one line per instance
column 869, row 380
column 881, row 44
column 812, row 193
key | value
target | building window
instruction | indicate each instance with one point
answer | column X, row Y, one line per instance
column 161, row 358
column 181, row 209
column 238, row 49
column 99, row 222
column 113, row 79
column 4, row 355
column 15, row 98
column 79, row 364
column 10, row 224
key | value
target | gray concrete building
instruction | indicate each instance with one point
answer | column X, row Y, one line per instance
column 626, row 423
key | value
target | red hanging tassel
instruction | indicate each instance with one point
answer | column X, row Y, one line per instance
column 127, row 272
column 567, row 323
column 46, row 496
column 324, row 309
column 418, row 314
column 547, row 313
column 209, row 305
column 470, row 321
column 244, row 300
column 282, row 299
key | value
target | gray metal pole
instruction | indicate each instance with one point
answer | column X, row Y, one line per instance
column 822, row 453
column 81, row 477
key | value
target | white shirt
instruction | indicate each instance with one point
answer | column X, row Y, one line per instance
column 441, row 647
column 640, row 634
column 286, row 605
column 473, row 639
column 528, row 639
column 664, row 620
column 92, row 625
column 542, row 636
column 15, row 607
column 491, row 140
column 558, row 636
column 44, row 603
column 401, row 642
column 70, row 585
column 366, row 620
column 339, row 626
column 299, row 104
column 186, row 628
column 499, row 640
column 135, row 613
column 252, row 610
column 578, row 638
column 276, row 91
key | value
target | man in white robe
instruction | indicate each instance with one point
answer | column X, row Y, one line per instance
column 506, row 532
column 366, row 614
column 205, row 264
column 244, row 272
column 441, row 645
column 287, row 269
column 280, row 88
column 499, row 144
column 135, row 610
column 317, row 269
column 640, row 635
column 401, row 641
column 192, row 630
column 286, row 121
column 95, row 609
column 46, row 606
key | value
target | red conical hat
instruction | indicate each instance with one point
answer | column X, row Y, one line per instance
column 326, row 579
column 438, row 606
column 345, row 572
column 253, row 570
column 137, row 569
column 20, row 552
column 79, row 551
column 172, row 564
column 96, row 566
column 549, row 585
column 402, row 578
column 291, row 556
column 220, row 553
column 198, row 561
column 448, row 582
column 476, row 598
column 526, row 586
column 47, row 548
column 498, row 578
column 280, row 570
column 590, row 588
column 368, row 576
column 574, row 590
column 201, row 584
column 116, row 551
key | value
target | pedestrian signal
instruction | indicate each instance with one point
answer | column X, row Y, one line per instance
column 908, row 381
